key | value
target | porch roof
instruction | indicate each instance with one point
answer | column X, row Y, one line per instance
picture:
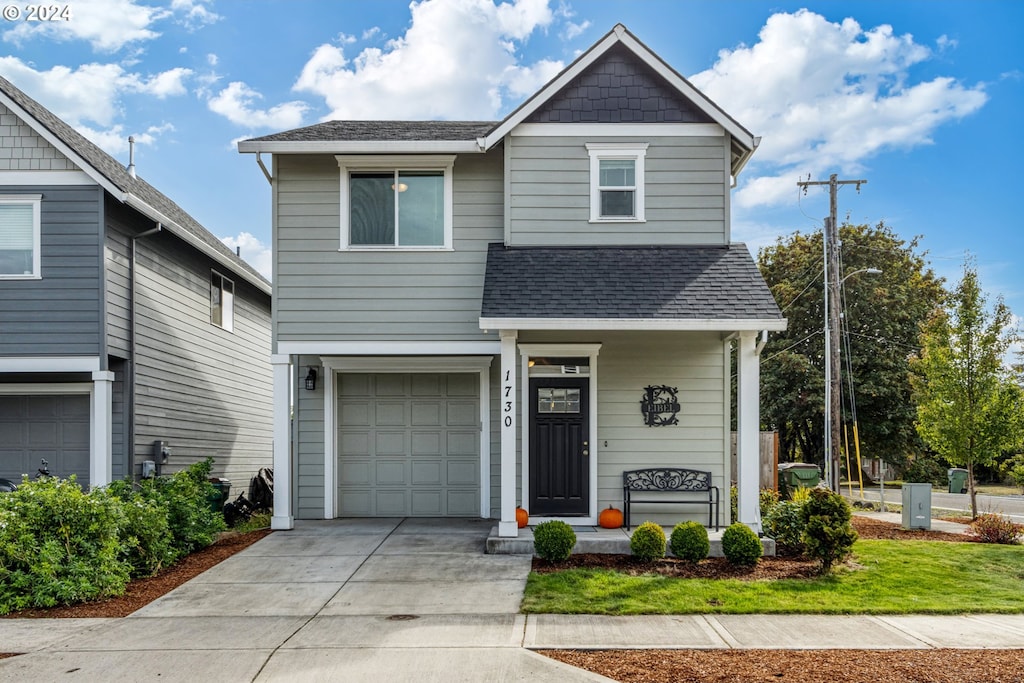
column 667, row 287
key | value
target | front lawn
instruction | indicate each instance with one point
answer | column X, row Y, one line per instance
column 883, row 577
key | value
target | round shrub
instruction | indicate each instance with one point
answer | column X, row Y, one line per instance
column 828, row 536
column 553, row 541
column 648, row 542
column 58, row 545
column 146, row 540
column 741, row 546
column 689, row 541
column 785, row 524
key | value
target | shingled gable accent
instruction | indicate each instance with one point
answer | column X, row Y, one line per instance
column 111, row 175
column 678, row 288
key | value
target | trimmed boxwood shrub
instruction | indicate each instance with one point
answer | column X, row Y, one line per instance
column 59, row 545
column 741, row 546
column 689, row 541
column 648, row 542
column 828, row 536
column 553, row 541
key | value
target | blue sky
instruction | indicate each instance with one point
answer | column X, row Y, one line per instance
column 918, row 98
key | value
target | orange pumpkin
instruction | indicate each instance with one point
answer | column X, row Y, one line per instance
column 610, row 518
column 522, row 517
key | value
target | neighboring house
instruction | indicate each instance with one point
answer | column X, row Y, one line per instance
column 122, row 320
column 485, row 305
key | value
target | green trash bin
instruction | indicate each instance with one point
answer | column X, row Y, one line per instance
column 794, row 475
column 957, row 480
column 221, row 490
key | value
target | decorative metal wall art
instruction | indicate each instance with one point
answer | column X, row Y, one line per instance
column 660, row 406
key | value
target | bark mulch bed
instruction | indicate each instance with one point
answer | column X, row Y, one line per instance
column 141, row 592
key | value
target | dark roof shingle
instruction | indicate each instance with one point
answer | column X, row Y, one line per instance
column 383, row 131
column 694, row 283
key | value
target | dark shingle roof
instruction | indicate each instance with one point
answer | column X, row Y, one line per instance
column 111, row 169
column 696, row 283
column 383, row 131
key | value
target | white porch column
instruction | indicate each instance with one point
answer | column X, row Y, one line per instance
column 507, row 526
column 101, row 468
column 748, row 427
column 282, row 518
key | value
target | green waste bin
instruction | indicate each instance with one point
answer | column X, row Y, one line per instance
column 221, row 490
column 957, row 480
column 794, row 475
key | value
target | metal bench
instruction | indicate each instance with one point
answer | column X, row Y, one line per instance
column 670, row 480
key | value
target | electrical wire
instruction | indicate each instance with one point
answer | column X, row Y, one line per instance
column 793, row 345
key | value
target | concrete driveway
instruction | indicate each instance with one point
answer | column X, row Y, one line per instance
column 342, row 600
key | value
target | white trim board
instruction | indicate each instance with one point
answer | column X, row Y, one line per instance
column 389, row 348
column 22, row 389
column 48, row 364
column 679, row 324
column 45, row 178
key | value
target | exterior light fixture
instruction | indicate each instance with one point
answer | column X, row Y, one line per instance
column 311, row 379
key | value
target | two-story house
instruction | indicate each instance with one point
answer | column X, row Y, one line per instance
column 473, row 316
column 123, row 322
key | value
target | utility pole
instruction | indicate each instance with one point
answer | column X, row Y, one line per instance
column 833, row 392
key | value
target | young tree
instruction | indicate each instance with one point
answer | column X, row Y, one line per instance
column 968, row 402
column 883, row 314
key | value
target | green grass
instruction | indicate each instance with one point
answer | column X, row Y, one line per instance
column 890, row 577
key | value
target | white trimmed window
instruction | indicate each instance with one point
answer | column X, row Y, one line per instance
column 617, row 181
column 396, row 202
column 19, row 236
column 222, row 301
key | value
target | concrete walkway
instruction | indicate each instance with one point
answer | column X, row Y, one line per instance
column 407, row 600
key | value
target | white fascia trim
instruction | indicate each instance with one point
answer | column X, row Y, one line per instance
column 48, row 364
column 362, row 147
column 45, row 178
column 190, row 239
column 410, row 364
column 640, row 130
column 51, row 388
column 554, row 349
column 694, row 325
column 389, row 348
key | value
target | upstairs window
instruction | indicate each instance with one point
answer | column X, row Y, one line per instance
column 396, row 202
column 616, row 181
column 222, row 301
column 19, row 236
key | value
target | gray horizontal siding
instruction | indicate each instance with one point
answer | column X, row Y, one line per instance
column 323, row 293
column 686, row 193
column 59, row 314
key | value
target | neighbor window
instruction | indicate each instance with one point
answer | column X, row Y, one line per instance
column 19, row 236
column 616, row 181
column 222, row 301
column 396, row 202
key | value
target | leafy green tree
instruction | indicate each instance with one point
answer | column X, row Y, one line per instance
column 883, row 314
column 968, row 399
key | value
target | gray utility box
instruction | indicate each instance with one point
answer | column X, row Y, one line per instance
column 917, row 506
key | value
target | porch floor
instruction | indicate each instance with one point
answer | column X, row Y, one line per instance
column 594, row 539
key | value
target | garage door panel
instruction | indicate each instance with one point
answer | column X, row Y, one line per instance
column 13, row 434
column 43, row 434
column 43, row 407
column 13, row 407
column 423, row 439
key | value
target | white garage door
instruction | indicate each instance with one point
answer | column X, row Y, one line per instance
column 408, row 445
column 46, row 426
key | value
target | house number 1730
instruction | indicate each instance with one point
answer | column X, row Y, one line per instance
column 507, row 390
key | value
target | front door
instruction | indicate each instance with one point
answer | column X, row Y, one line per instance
column 559, row 446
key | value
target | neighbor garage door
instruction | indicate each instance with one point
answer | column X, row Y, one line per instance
column 46, row 426
column 408, row 445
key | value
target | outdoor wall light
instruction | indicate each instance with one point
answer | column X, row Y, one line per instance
column 311, row 379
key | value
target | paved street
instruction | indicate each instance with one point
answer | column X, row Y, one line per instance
column 1011, row 506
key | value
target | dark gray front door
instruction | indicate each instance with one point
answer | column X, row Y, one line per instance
column 559, row 446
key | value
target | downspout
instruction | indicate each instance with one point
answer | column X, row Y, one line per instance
column 133, row 348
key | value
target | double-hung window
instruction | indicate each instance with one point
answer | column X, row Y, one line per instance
column 19, row 236
column 616, row 181
column 397, row 202
column 222, row 301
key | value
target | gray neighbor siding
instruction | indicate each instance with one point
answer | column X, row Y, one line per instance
column 323, row 293
column 686, row 189
column 204, row 390
column 60, row 313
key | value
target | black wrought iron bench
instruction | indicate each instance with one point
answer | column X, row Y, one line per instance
column 687, row 487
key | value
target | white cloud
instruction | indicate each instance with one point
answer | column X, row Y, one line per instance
column 166, row 83
column 371, row 32
column 253, row 252
column 236, row 101
column 212, row 59
column 826, row 97
column 194, row 14
column 453, row 54
column 107, row 25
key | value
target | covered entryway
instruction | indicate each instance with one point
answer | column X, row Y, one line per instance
column 559, row 446
column 54, row 427
column 408, row 444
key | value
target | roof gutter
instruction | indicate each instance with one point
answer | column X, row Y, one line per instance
column 186, row 235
